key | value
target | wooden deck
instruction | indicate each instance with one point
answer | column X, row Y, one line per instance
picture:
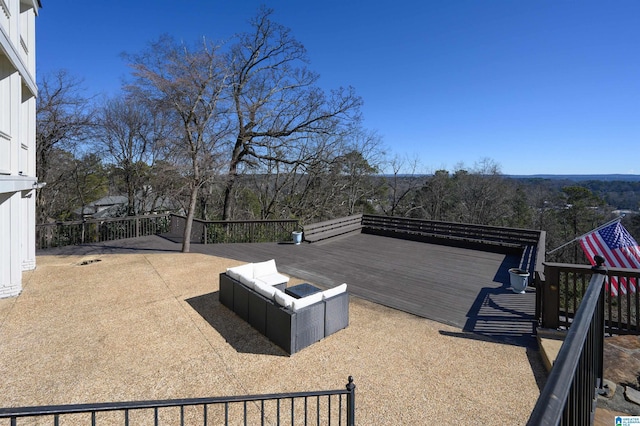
column 460, row 287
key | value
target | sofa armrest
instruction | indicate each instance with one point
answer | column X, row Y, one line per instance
column 225, row 294
column 309, row 325
column 281, row 327
column 336, row 316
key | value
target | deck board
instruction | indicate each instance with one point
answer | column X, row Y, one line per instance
column 460, row 287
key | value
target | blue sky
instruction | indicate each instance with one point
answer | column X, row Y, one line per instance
column 549, row 86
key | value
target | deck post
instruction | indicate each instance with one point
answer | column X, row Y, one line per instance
column 551, row 298
column 351, row 403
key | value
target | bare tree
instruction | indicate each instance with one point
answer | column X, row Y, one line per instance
column 63, row 120
column 401, row 184
column 275, row 101
column 483, row 195
column 434, row 200
column 88, row 180
column 187, row 84
column 127, row 133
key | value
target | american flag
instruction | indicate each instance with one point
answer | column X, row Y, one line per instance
column 620, row 250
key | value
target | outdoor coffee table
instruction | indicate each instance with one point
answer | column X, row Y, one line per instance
column 301, row 290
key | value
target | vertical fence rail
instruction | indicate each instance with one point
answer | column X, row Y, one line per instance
column 235, row 231
column 563, row 289
column 244, row 409
column 61, row 234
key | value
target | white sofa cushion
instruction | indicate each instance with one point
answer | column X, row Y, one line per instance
column 272, row 279
column 265, row 290
column 249, row 282
column 261, row 269
column 245, row 270
column 306, row 301
column 334, row 291
column 282, row 298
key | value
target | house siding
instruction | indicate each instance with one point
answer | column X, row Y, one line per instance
column 18, row 179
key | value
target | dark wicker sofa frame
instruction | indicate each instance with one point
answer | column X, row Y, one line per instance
column 290, row 330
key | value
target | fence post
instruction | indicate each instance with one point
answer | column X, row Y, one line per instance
column 599, row 268
column 551, row 299
column 351, row 403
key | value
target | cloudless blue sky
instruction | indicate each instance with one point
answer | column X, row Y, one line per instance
column 548, row 86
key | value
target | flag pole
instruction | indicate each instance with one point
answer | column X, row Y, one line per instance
column 594, row 230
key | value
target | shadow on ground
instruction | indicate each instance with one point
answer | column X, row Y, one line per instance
column 501, row 314
column 238, row 333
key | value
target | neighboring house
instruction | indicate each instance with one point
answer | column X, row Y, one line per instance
column 109, row 206
column 116, row 206
column 18, row 91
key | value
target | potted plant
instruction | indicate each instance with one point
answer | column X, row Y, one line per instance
column 296, row 235
column 519, row 279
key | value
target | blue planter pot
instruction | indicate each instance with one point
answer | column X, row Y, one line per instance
column 519, row 280
column 297, row 237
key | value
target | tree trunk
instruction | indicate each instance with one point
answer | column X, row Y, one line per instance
column 231, row 180
column 186, row 238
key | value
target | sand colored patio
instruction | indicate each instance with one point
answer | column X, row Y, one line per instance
column 149, row 326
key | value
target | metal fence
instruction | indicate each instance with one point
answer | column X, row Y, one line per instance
column 569, row 396
column 330, row 407
column 234, row 231
column 563, row 288
column 61, row 234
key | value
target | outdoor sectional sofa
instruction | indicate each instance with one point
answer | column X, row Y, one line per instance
column 255, row 292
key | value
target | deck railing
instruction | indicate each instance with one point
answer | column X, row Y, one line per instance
column 234, row 231
column 61, row 234
column 529, row 243
column 563, row 286
column 508, row 237
column 569, row 396
column 330, row 407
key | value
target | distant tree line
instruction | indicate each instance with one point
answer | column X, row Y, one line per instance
column 241, row 130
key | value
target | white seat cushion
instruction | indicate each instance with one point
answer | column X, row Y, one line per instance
column 334, row 291
column 283, row 299
column 249, row 282
column 265, row 290
column 272, row 279
column 306, row 301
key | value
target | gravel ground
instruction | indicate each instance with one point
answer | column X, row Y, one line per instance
column 149, row 326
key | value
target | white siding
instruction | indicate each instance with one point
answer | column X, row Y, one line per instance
column 17, row 142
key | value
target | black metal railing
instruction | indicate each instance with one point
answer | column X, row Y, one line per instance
column 569, row 396
column 61, row 234
column 562, row 288
column 234, row 231
column 330, row 407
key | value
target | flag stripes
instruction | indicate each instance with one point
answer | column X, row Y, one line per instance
column 620, row 250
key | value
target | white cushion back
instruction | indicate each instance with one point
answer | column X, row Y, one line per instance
column 282, row 298
column 264, row 268
column 245, row 270
column 306, row 301
column 334, row 291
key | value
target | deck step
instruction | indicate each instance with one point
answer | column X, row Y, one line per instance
column 549, row 342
